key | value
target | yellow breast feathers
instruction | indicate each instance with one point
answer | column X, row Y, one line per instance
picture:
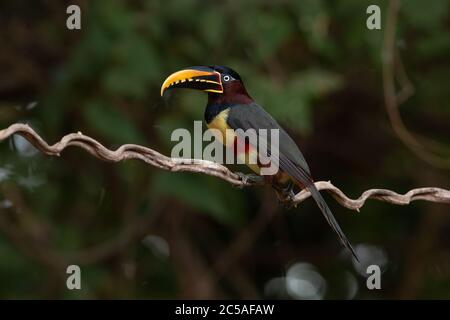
column 226, row 136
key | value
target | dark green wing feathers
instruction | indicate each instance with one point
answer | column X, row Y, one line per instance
column 252, row 116
column 291, row 160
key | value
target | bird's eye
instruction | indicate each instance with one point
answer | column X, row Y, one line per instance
column 226, row 78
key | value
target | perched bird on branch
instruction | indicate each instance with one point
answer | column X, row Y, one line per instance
column 230, row 110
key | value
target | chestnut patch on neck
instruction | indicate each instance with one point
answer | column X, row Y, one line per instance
column 234, row 92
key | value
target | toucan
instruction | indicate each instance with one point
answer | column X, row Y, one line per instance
column 230, row 108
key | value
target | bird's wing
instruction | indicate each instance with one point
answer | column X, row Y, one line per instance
column 291, row 159
column 252, row 116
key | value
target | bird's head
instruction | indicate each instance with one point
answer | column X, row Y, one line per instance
column 221, row 83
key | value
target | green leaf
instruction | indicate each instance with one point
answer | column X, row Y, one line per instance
column 202, row 194
column 424, row 15
column 111, row 123
column 135, row 68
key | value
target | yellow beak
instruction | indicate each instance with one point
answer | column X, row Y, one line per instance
column 199, row 78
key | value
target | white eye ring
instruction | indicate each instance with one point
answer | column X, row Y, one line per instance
column 226, row 78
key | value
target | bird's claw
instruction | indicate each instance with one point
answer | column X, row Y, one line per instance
column 248, row 178
column 288, row 202
column 286, row 197
column 243, row 178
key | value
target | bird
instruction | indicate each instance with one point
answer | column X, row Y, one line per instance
column 229, row 108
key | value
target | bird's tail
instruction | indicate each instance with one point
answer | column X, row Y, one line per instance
column 330, row 218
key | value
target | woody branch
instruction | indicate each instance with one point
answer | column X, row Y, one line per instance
column 156, row 159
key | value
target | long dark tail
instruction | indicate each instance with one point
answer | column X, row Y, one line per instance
column 330, row 218
column 303, row 179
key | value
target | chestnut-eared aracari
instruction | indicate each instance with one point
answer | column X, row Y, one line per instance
column 231, row 107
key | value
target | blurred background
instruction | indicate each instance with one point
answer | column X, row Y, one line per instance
column 139, row 232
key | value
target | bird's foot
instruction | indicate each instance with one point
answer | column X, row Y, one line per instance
column 288, row 201
column 286, row 196
column 249, row 178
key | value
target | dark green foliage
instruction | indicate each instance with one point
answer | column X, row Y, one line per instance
column 312, row 64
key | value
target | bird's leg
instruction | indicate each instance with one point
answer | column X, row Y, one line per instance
column 250, row 178
column 286, row 194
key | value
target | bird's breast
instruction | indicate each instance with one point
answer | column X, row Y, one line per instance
column 226, row 135
column 223, row 132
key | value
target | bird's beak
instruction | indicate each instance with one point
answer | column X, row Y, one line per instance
column 200, row 78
